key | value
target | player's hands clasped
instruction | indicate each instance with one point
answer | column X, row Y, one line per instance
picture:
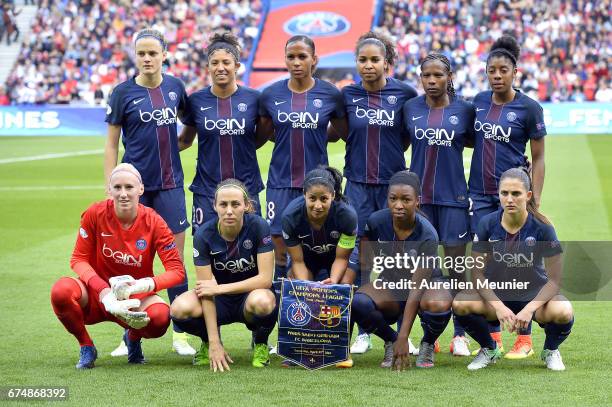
column 401, row 355
column 125, row 286
column 122, row 309
column 505, row 316
column 219, row 359
column 522, row 319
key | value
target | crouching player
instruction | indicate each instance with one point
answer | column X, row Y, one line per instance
column 523, row 258
column 378, row 304
column 234, row 266
column 118, row 237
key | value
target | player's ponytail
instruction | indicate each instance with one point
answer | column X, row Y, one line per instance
column 234, row 183
column 505, row 46
column 328, row 177
column 522, row 174
column 434, row 56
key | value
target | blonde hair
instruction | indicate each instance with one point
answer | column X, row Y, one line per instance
column 125, row 167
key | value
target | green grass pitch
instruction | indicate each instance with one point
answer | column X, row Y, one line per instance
column 40, row 204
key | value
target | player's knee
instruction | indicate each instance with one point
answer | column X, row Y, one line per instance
column 65, row 291
column 160, row 320
column 181, row 308
column 564, row 313
column 435, row 306
column 461, row 307
column 264, row 304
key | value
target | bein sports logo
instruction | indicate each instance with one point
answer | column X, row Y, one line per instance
column 226, row 127
column 299, row 120
column 122, row 258
column 493, row 131
column 514, row 260
column 317, row 24
column 162, row 117
column 325, row 248
column 378, row 117
column 236, row 266
column 438, row 137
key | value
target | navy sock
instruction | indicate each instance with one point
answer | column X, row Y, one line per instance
column 525, row 331
column 433, row 324
column 193, row 326
column 174, row 292
column 263, row 326
column 476, row 326
column 370, row 319
column 459, row 329
column 494, row 326
column 556, row 334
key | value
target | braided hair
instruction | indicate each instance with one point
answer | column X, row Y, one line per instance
column 434, row 56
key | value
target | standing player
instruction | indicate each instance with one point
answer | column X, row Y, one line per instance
column 506, row 120
column 118, row 237
column 225, row 117
column 145, row 109
column 519, row 244
column 300, row 109
column 440, row 125
column 376, row 140
column 376, row 306
column 234, row 266
column 320, row 229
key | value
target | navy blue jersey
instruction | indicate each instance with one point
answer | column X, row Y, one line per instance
column 437, row 137
column 501, row 135
column 226, row 139
column 517, row 256
column 232, row 261
column 148, row 123
column 375, row 143
column 300, row 128
column 423, row 239
column 318, row 246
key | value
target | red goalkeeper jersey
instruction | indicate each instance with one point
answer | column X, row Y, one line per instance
column 105, row 249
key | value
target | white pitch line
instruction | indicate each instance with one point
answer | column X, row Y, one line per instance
column 52, row 188
column 49, row 156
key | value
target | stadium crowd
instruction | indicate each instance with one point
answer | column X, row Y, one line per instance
column 79, row 50
column 566, row 47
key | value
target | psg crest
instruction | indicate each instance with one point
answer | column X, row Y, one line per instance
column 313, row 323
column 317, row 24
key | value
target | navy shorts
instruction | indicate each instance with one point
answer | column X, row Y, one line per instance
column 277, row 200
column 230, row 308
column 451, row 222
column 203, row 209
column 480, row 206
column 170, row 205
column 366, row 199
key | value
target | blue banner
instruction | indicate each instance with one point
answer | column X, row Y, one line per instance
column 578, row 118
column 52, row 120
column 62, row 120
column 313, row 323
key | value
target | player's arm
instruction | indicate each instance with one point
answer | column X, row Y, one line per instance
column 216, row 352
column 337, row 129
column 265, row 265
column 505, row 316
column 340, row 264
column 554, row 266
column 538, row 168
column 165, row 247
column 186, row 137
column 265, row 131
column 111, row 149
column 298, row 267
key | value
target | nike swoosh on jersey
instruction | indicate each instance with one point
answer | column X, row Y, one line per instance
column 137, row 101
column 416, row 118
column 356, row 100
column 461, row 236
column 279, row 103
column 205, row 108
column 494, row 240
column 479, row 110
column 214, row 253
column 302, row 237
column 182, row 222
column 106, row 234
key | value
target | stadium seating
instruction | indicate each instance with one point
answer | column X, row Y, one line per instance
column 87, row 45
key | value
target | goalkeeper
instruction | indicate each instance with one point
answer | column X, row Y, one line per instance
column 113, row 258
